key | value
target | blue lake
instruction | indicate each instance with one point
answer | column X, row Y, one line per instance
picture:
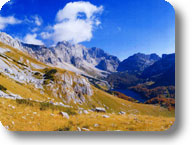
column 132, row 94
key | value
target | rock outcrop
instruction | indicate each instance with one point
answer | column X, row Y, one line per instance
column 70, row 88
column 5, row 38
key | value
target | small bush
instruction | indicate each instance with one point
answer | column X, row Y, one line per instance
column 46, row 82
column 19, row 63
column 68, row 127
column 2, row 88
column 24, row 101
column 46, row 105
column 38, row 75
column 64, row 129
column 85, row 126
column 50, row 74
column 123, row 96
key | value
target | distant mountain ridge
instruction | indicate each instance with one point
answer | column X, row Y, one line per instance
column 162, row 71
column 140, row 68
column 137, row 62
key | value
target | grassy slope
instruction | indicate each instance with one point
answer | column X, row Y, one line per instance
column 139, row 116
column 26, row 117
column 22, row 117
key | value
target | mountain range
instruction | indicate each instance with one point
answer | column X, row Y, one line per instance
column 73, row 57
column 97, row 63
column 65, row 88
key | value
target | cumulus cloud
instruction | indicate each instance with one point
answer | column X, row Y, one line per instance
column 32, row 39
column 73, row 9
column 75, row 31
column 4, row 21
column 75, row 22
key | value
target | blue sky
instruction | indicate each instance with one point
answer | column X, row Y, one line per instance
column 121, row 28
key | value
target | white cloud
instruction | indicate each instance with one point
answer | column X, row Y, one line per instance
column 32, row 39
column 35, row 29
column 76, row 21
column 72, row 9
column 4, row 21
column 98, row 22
column 37, row 20
column 34, row 20
column 45, row 35
column 2, row 2
column 75, row 31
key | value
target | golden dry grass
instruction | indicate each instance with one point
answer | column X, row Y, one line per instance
column 26, row 91
column 31, row 118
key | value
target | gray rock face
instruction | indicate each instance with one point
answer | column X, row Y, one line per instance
column 80, row 56
column 75, row 54
column 108, row 64
column 41, row 53
column 5, row 38
column 105, row 61
column 70, row 88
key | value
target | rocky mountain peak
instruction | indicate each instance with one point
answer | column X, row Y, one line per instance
column 64, row 43
column 96, row 52
column 154, row 56
column 7, row 39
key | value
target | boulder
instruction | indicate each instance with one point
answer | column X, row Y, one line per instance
column 122, row 113
column 80, row 112
column 85, row 112
column 100, row 109
column 65, row 115
column 106, row 116
column 96, row 125
column 85, row 129
column 78, row 128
